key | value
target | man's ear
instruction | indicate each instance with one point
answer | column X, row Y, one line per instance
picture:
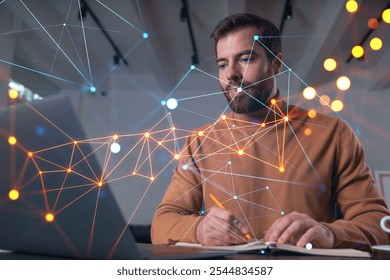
column 277, row 63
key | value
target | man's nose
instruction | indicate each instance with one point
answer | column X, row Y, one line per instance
column 234, row 73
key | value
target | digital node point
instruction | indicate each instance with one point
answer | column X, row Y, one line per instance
column 145, row 35
column 13, row 194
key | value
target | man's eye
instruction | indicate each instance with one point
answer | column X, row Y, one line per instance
column 222, row 66
column 245, row 59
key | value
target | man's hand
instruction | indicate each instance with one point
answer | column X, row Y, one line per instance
column 299, row 229
column 220, row 228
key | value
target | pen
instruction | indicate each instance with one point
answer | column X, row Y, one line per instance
column 220, row 205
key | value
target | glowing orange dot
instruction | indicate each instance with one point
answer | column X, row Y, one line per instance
column 308, row 131
column 324, row 100
column 115, row 136
column 12, row 140
column 176, row 156
column 357, row 51
column 173, row 128
column 262, row 124
column 49, row 217
column 373, row 23
column 223, row 117
column 75, row 142
column 240, row 152
column 69, row 170
column 286, row 118
column 312, row 113
column 281, row 169
column 13, row 93
column 273, row 101
column 13, row 194
column 30, row 154
column 40, row 172
column 134, row 173
column 160, row 143
column 147, row 134
column 200, row 133
column 100, row 183
column 152, row 178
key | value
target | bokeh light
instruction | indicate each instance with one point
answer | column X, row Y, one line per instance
column 343, row 83
column 13, row 93
column 337, row 105
column 330, row 64
column 324, row 100
column 351, row 6
column 373, row 23
column 386, row 15
column 312, row 113
column 357, row 51
column 309, row 93
column 376, row 44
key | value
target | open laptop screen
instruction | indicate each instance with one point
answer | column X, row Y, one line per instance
column 53, row 195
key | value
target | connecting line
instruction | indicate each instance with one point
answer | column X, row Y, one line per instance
column 122, row 18
column 39, row 72
column 62, row 32
column 140, row 13
column 58, row 46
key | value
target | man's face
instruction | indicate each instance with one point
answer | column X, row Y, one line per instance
column 246, row 73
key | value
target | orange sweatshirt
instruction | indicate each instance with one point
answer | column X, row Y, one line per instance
column 278, row 162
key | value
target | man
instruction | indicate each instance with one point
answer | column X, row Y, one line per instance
column 268, row 170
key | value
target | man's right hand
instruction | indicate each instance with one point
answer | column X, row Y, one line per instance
column 221, row 228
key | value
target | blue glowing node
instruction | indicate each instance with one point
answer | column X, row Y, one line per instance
column 145, row 35
column 192, row 67
column 185, row 166
column 256, row 37
column 163, row 103
column 172, row 103
column 40, row 130
column 92, row 89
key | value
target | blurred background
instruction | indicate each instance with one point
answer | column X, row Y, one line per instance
column 134, row 67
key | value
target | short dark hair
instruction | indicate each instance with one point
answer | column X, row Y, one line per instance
column 269, row 34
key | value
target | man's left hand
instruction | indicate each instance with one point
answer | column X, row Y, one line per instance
column 299, row 229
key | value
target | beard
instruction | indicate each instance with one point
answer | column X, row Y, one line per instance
column 251, row 99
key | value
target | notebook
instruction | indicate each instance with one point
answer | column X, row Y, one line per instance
column 51, row 200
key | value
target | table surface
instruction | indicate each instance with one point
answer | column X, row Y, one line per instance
column 172, row 252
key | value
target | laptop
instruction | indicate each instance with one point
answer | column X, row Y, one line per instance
column 53, row 197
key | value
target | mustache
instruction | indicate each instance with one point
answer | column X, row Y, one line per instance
column 234, row 86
